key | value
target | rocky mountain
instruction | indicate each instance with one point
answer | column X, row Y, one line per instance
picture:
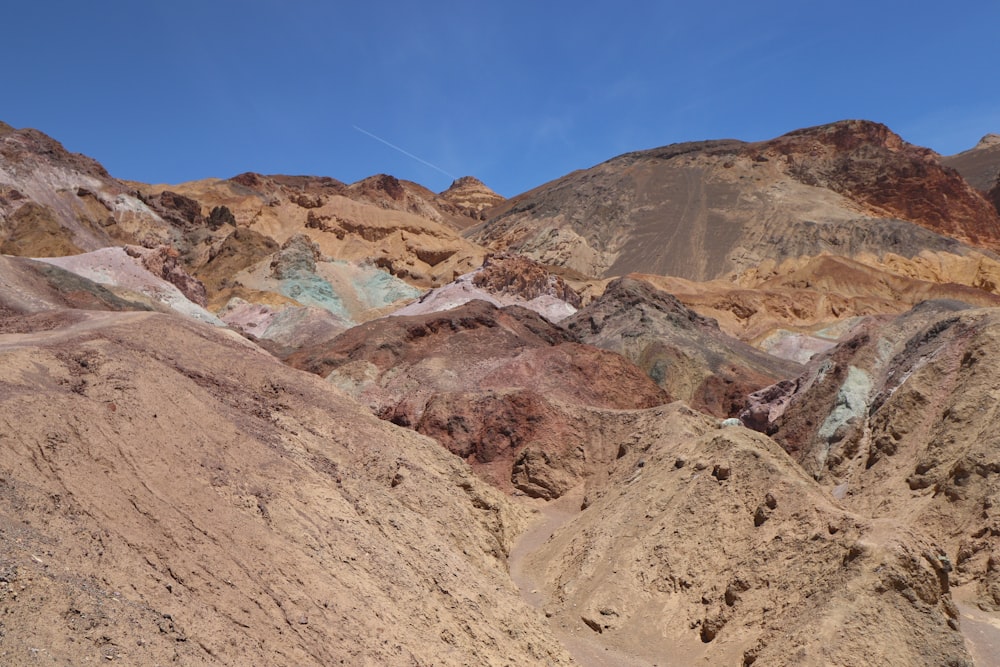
column 980, row 165
column 490, row 384
column 472, row 196
column 702, row 210
column 894, row 420
column 171, row 491
column 683, row 352
column 53, row 202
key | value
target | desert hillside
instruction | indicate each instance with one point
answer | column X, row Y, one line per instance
column 716, row 403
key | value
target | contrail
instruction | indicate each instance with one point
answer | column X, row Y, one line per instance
column 407, row 154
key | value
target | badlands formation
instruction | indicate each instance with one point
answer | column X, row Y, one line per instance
column 716, row 403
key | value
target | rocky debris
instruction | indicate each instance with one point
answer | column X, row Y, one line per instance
column 754, row 566
column 684, row 353
column 702, row 210
column 524, row 278
column 162, row 262
column 895, row 421
column 492, row 385
column 173, row 494
column 471, row 196
column 180, row 211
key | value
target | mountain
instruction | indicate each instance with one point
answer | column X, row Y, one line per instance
column 472, row 196
column 683, row 352
column 53, row 202
column 702, row 210
column 399, row 226
column 980, row 165
column 661, row 488
column 171, row 493
column 894, row 420
column 493, row 385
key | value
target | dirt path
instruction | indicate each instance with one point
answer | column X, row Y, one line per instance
column 982, row 635
column 579, row 642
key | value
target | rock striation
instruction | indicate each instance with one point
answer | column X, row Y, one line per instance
column 702, row 210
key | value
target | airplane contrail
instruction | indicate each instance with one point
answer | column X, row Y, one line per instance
column 407, row 154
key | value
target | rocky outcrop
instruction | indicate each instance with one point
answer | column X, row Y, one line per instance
column 741, row 559
column 875, row 168
column 684, row 353
column 70, row 203
column 180, row 211
column 471, row 196
column 239, row 250
column 895, row 421
column 490, row 384
column 702, row 210
column 524, row 278
column 504, row 280
column 163, row 263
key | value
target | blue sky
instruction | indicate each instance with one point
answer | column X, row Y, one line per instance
column 516, row 93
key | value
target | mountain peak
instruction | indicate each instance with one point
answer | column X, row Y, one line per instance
column 989, row 141
column 471, row 195
column 848, row 134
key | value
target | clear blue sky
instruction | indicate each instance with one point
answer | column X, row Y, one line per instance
column 516, row 93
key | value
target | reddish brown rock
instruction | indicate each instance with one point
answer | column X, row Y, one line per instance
column 163, row 263
column 520, row 276
column 874, row 167
column 489, row 383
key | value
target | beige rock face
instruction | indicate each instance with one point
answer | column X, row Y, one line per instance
column 709, row 546
column 170, row 493
column 400, row 226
